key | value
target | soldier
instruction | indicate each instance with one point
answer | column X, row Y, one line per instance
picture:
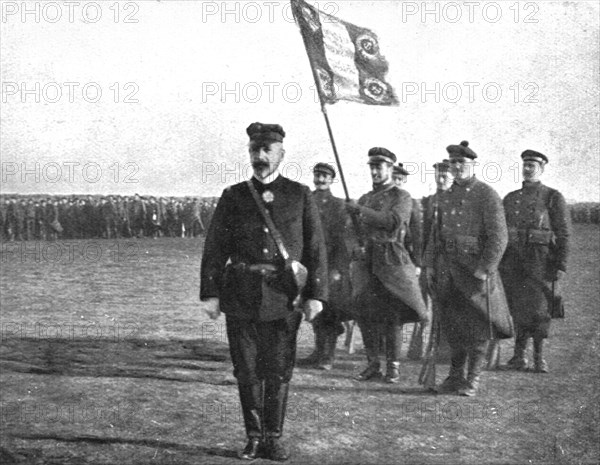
column 252, row 290
column 109, row 215
column 327, row 326
column 197, row 225
column 462, row 269
column 413, row 240
column 385, row 285
column 30, row 220
column 21, row 211
column 137, row 216
column 153, row 218
column 123, row 217
column 12, row 228
column 413, row 243
column 171, row 218
column 63, row 207
column 4, row 204
column 205, row 214
column 443, row 181
column 536, row 256
column 53, row 219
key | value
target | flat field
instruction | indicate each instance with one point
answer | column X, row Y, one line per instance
column 106, row 357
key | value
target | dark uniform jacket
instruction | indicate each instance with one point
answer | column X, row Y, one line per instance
column 414, row 234
column 238, row 235
column 384, row 225
column 538, row 227
column 333, row 220
column 472, row 235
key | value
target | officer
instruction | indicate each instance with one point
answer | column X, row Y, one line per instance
column 252, row 289
column 413, row 240
column 443, row 181
column 472, row 237
column 327, row 325
column 413, row 243
column 538, row 229
column 385, row 285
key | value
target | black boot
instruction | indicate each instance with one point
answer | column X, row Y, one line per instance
column 539, row 364
column 393, row 346
column 251, row 398
column 276, row 394
column 328, row 354
column 477, row 359
column 315, row 357
column 392, row 373
column 518, row 360
column 456, row 378
column 371, row 341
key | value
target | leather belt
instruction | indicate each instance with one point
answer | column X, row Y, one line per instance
column 264, row 269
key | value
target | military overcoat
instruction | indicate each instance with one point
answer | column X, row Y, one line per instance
column 538, row 226
column 384, row 224
column 334, row 220
column 472, row 235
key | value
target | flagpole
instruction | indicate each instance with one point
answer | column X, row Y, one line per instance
column 353, row 216
column 335, row 152
column 329, row 131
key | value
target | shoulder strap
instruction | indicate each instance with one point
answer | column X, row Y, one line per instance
column 272, row 229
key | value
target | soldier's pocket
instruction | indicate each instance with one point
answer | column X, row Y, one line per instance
column 539, row 237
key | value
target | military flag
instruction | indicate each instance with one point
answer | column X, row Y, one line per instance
column 346, row 59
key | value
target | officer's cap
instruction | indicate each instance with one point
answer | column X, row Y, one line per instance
column 443, row 165
column 461, row 150
column 325, row 168
column 265, row 132
column 379, row 154
column 399, row 169
column 535, row 156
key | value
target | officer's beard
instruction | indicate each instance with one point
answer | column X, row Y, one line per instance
column 263, row 169
column 260, row 165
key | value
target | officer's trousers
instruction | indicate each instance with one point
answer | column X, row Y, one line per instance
column 263, row 350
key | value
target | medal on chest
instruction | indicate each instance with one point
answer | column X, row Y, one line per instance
column 268, row 196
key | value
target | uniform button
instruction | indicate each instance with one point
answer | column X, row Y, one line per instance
column 468, row 189
column 265, row 251
column 263, row 272
column 265, row 229
column 458, row 224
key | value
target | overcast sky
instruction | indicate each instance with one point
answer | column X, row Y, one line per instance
column 154, row 97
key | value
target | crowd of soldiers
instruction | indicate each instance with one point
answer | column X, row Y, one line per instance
column 109, row 217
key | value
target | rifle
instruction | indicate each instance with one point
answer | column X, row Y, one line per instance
column 350, row 336
column 415, row 348
column 493, row 351
column 493, row 355
column 428, row 373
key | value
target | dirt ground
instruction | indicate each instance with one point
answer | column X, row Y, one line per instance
column 107, row 358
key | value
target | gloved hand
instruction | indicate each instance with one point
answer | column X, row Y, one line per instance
column 312, row 308
column 212, row 308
